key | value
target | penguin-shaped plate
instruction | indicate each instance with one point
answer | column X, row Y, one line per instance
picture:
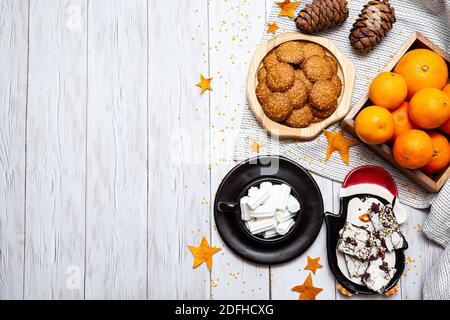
column 280, row 170
column 361, row 187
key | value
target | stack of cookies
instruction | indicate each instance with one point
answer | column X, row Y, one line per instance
column 298, row 84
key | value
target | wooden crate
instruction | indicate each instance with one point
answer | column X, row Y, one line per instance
column 427, row 182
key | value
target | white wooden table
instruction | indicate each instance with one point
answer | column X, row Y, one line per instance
column 110, row 158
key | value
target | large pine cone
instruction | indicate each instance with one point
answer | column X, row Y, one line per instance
column 321, row 15
column 374, row 22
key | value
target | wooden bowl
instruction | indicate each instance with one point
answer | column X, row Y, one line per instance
column 346, row 72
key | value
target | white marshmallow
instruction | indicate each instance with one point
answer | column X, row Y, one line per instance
column 283, row 196
column 263, row 211
column 285, row 226
column 273, row 198
column 293, row 205
column 252, row 191
column 258, row 198
column 245, row 209
column 266, row 185
column 270, row 233
column 283, row 215
column 261, row 225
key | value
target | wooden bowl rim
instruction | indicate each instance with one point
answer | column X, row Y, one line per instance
column 276, row 129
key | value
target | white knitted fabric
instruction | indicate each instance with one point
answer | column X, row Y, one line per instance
column 431, row 18
column 412, row 16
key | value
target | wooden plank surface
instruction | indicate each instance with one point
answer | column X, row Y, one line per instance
column 119, row 158
column 235, row 29
column 56, row 138
column 116, row 216
column 13, row 92
column 178, row 117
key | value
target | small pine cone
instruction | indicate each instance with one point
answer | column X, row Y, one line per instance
column 372, row 25
column 321, row 15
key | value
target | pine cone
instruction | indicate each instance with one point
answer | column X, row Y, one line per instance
column 374, row 22
column 321, row 15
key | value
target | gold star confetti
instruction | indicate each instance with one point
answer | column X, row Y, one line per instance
column 307, row 290
column 204, row 84
column 313, row 264
column 287, row 8
column 256, row 147
column 203, row 253
column 272, row 28
column 337, row 142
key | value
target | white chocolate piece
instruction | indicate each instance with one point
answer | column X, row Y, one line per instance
column 245, row 209
column 378, row 275
column 284, row 227
column 258, row 198
column 356, row 268
column 252, row 191
column 261, row 225
column 283, row 196
column 263, row 211
column 293, row 206
column 283, row 215
column 270, row 233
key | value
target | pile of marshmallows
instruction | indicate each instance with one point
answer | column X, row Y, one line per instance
column 269, row 210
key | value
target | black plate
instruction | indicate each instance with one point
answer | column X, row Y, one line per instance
column 334, row 224
column 303, row 185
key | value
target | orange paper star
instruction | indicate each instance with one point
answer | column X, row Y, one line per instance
column 272, row 28
column 313, row 264
column 204, row 84
column 287, row 8
column 203, row 253
column 307, row 290
column 337, row 142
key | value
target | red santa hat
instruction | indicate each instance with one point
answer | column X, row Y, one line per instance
column 370, row 180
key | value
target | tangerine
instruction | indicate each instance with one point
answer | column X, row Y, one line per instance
column 374, row 125
column 422, row 68
column 441, row 154
column 413, row 149
column 429, row 108
column 388, row 90
column 401, row 119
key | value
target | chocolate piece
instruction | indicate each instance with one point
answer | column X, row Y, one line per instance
column 356, row 268
column 386, row 226
column 357, row 242
column 378, row 275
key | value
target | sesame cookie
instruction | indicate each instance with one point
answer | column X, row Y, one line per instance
column 318, row 68
column 323, row 113
column 300, row 75
column 334, row 64
column 298, row 94
column 323, row 95
column 280, row 77
column 312, row 49
column 290, row 52
column 262, row 92
column 337, row 83
column 300, row 118
column 270, row 60
column 261, row 75
column 277, row 107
